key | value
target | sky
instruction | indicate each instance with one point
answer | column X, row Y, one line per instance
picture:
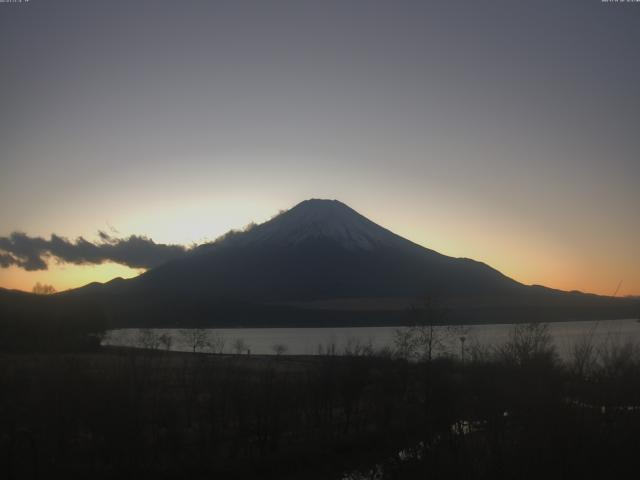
column 497, row 130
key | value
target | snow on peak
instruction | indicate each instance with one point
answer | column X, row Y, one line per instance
column 318, row 219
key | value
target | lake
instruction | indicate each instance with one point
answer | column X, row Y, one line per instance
column 311, row 341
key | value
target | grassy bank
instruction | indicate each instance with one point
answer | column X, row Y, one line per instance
column 515, row 411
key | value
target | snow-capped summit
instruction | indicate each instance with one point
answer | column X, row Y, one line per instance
column 322, row 263
column 317, row 219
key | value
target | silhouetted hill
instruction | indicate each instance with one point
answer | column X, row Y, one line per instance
column 30, row 322
column 323, row 263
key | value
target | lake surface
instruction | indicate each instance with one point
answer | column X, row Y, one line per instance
column 311, row 341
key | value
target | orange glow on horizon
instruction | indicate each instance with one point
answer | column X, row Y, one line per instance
column 64, row 277
column 536, row 271
column 516, row 247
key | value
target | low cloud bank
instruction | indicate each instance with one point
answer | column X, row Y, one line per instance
column 33, row 253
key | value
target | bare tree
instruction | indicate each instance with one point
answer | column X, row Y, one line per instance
column 527, row 343
column 584, row 356
column 358, row 348
column 279, row 349
column 195, row 338
column 477, row 352
column 329, row 349
column 217, row 342
column 43, row 289
column 166, row 340
column 429, row 335
column 404, row 342
column 616, row 357
column 239, row 345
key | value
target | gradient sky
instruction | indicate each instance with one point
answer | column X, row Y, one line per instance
column 503, row 131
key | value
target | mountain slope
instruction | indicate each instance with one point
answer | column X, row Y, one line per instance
column 306, row 264
column 324, row 249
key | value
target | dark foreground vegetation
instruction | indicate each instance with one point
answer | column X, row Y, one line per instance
column 513, row 412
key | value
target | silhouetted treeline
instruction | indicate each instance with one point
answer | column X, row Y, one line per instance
column 512, row 412
column 46, row 323
column 173, row 310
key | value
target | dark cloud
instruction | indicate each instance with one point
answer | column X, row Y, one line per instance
column 6, row 260
column 32, row 253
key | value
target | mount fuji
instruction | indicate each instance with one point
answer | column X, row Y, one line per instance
column 322, row 263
